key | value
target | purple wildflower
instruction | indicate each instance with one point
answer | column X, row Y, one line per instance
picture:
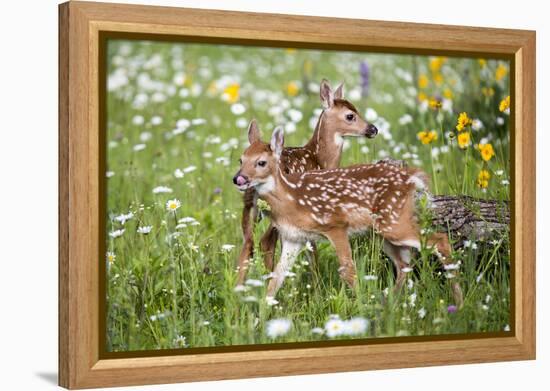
column 364, row 72
column 217, row 190
column 451, row 309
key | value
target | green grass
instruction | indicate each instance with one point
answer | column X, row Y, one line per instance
column 178, row 281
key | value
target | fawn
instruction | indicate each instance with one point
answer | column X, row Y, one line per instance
column 337, row 202
column 338, row 119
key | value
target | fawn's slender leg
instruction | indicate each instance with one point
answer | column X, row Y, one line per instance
column 441, row 242
column 340, row 241
column 289, row 252
column 247, row 224
column 268, row 243
column 401, row 257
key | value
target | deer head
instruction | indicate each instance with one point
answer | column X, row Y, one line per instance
column 340, row 117
column 259, row 161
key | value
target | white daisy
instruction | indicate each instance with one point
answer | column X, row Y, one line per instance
column 138, row 120
column 334, row 328
column 124, row 217
column 145, row 136
column 356, row 326
column 180, row 341
column 451, row 266
column 117, row 233
column 162, row 189
column 370, row 277
column 422, row 313
column 179, row 173
column 198, row 121
column 271, row 301
column 371, row 115
column 227, row 247
column 477, row 124
column 144, row 229
column 295, row 115
column 238, row 108
column 255, row 283
column 278, row 328
column 173, row 205
column 139, row 147
column 240, row 288
column 111, row 257
column 317, row 330
column 189, row 169
column 405, row 119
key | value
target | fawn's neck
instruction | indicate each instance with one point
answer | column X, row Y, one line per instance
column 278, row 192
column 325, row 146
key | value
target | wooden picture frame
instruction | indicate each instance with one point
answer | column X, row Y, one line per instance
column 81, row 28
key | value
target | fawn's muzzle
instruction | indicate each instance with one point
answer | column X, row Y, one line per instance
column 240, row 180
column 371, row 131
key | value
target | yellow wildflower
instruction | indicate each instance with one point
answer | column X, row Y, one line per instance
column 488, row 91
column 423, row 81
column 434, row 103
column 436, row 63
column 483, row 179
column 111, row 256
column 447, row 93
column 438, row 79
column 463, row 139
column 290, row 50
column 482, row 62
column 487, row 151
column 504, row 104
column 463, row 121
column 231, row 93
column 292, row 88
column 422, row 97
column 500, row 72
column 427, row 137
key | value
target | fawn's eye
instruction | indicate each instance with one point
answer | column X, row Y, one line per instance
column 240, row 161
column 350, row 117
column 262, row 163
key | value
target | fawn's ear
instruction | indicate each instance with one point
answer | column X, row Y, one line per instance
column 277, row 141
column 339, row 92
column 253, row 132
column 326, row 94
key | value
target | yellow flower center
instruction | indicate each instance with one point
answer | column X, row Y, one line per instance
column 231, row 93
column 504, row 104
column 463, row 139
column 501, row 72
column 292, row 88
column 423, row 81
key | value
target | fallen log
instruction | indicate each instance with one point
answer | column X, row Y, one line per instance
column 469, row 218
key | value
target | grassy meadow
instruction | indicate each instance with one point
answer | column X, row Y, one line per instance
column 177, row 119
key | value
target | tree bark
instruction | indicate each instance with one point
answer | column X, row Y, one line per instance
column 469, row 218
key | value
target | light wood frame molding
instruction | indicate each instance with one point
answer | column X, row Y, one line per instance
column 80, row 170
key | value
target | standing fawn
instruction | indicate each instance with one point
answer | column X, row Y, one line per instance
column 338, row 119
column 338, row 202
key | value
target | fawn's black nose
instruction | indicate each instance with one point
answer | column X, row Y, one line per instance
column 371, row 131
column 239, row 179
